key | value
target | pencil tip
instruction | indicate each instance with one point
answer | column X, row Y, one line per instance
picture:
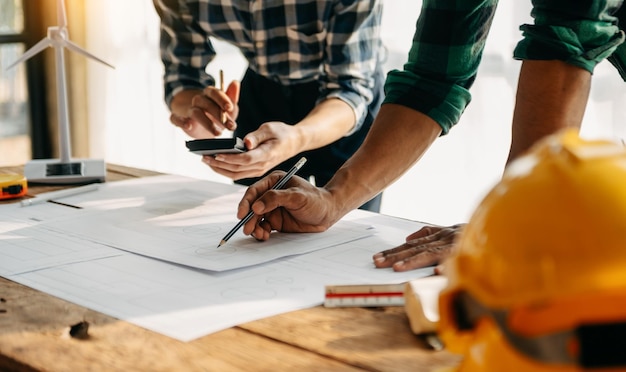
column 221, row 243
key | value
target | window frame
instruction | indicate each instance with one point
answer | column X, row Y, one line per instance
column 39, row 126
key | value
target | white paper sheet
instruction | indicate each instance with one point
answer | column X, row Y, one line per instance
column 28, row 241
column 186, row 304
column 26, row 245
column 186, row 226
column 176, row 300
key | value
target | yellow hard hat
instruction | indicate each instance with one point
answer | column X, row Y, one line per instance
column 538, row 282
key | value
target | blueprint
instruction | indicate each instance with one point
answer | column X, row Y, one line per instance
column 38, row 248
column 185, row 228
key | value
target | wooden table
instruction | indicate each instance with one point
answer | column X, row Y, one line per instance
column 34, row 325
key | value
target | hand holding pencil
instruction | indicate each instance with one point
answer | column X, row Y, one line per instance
column 297, row 207
column 215, row 109
column 227, row 98
column 206, row 113
column 276, row 186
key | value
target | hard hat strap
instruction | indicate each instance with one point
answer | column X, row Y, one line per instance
column 588, row 345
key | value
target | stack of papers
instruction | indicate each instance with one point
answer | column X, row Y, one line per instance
column 145, row 251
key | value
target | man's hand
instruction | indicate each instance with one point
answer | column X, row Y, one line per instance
column 268, row 146
column 298, row 207
column 426, row 247
column 199, row 113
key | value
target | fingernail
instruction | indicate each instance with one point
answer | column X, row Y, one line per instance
column 379, row 259
column 378, row 255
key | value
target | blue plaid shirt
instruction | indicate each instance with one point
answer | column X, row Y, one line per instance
column 335, row 42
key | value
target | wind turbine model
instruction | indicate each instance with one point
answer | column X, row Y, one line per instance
column 64, row 170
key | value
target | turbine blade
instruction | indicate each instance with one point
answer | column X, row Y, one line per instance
column 73, row 47
column 61, row 15
column 41, row 45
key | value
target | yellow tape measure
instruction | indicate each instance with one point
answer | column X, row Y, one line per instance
column 12, row 186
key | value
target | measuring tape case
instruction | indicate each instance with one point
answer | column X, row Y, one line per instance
column 12, row 186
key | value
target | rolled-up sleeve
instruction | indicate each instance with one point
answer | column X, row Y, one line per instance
column 443, row 61
column 185, row 48
column 581, row 33
column 618, row 58
column 353, row 49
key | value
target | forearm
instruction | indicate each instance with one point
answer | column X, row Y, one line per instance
column 559, row 53
column 399, row 137
column 326, row 123
column 551, row 96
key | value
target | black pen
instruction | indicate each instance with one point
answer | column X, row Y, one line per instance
column 278, row 185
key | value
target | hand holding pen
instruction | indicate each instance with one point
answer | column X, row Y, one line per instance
column 226, row 100
column 278, row 185
column 206, row 113
column 299, row 208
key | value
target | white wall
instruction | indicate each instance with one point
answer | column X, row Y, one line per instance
column 130, row 123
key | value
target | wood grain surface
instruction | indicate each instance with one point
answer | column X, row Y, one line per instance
column 34, row 335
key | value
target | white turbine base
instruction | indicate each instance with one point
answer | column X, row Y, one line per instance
column 76, row 171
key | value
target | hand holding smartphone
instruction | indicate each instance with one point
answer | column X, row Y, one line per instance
column 215, row 146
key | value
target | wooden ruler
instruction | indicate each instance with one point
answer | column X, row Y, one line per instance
column 364, row 295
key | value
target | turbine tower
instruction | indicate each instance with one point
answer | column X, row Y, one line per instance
column 64, row 170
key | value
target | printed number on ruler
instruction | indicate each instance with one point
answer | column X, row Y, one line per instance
column 364, row 295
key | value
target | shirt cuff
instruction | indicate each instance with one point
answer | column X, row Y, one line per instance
column 442, row 101
column 358, row 105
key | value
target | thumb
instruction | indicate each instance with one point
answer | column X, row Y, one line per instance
column 253, row 139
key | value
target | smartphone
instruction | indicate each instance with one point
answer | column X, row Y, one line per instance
column 216, row 146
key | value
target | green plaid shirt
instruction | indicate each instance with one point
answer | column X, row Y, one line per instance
column 450, row 38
